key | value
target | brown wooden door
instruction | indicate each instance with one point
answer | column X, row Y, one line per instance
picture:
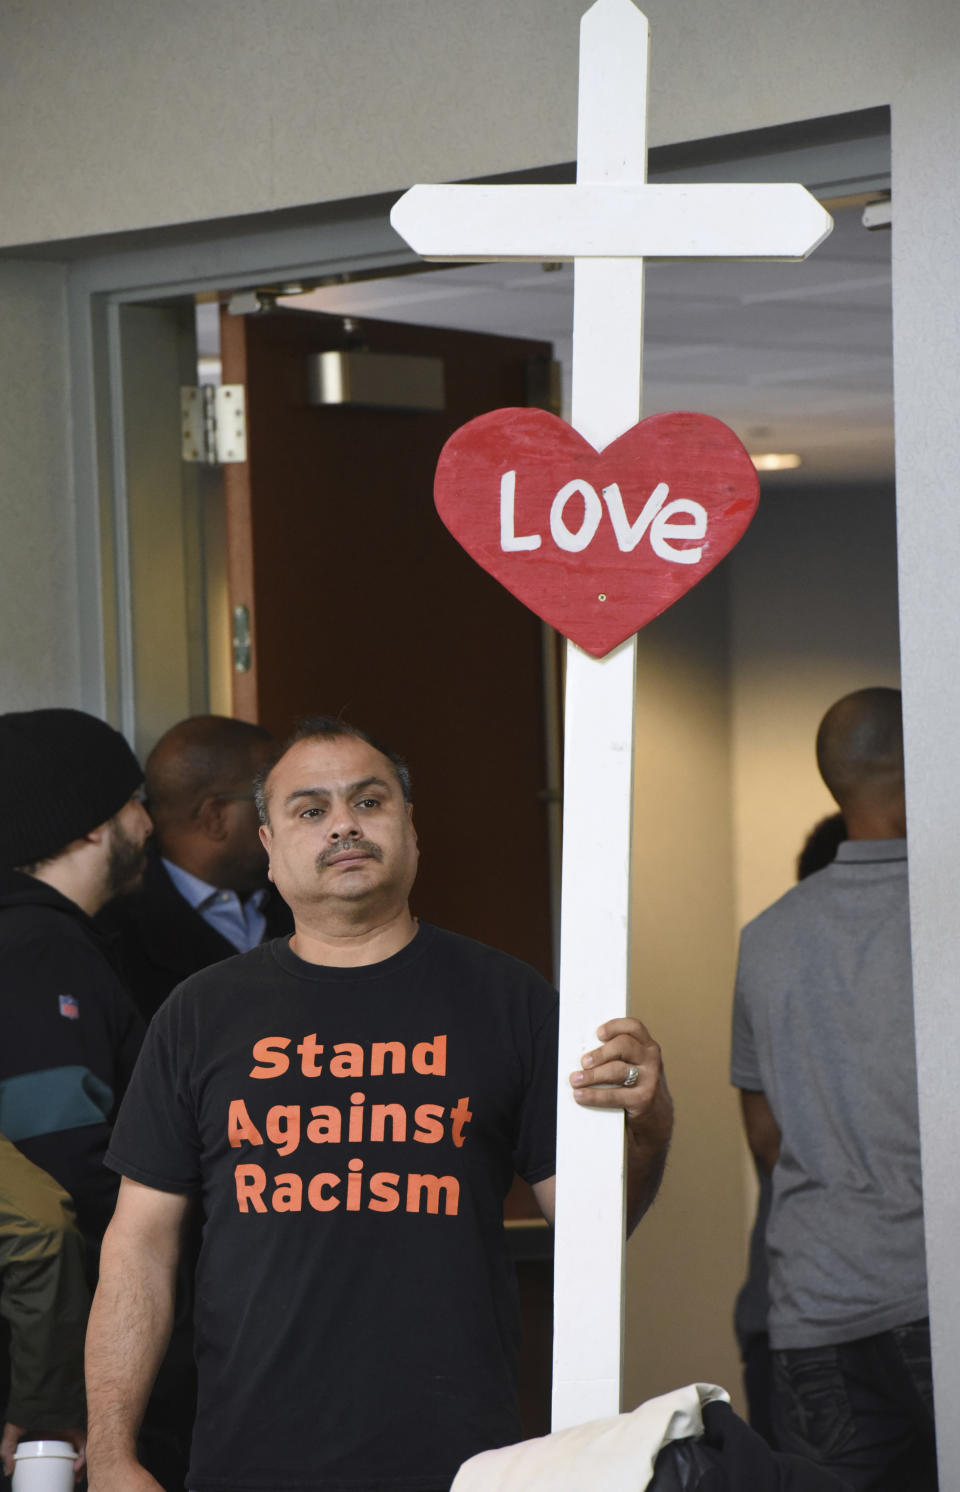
column 361, row 602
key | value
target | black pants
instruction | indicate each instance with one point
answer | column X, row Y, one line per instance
column 758, row 1385
column 863, row 1409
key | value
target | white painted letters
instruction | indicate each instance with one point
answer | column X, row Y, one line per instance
column 662, row 530
column 655, row 518
column 563, row 537
column 629, row 535
column 510, row 541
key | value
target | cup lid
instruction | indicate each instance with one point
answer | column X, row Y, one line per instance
column 29, row 1448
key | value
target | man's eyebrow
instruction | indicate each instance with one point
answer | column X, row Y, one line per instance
column 356, row 787
column 324, row 792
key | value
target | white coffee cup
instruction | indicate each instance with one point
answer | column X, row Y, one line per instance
column 43, row 1466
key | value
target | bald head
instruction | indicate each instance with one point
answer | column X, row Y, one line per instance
column 199, row 782
column 860, row 755
column 201, row 756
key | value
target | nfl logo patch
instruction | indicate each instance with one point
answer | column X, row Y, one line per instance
column 69, row 1007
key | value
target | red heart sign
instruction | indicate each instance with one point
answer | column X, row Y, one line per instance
column 596, row 543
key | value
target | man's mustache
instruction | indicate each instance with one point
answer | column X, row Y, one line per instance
column 365, row 846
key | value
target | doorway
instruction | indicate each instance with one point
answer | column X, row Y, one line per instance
column 696, row 841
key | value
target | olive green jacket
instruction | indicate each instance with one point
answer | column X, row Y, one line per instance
column 43, row 1295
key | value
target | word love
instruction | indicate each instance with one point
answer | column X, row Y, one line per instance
column 655, row 517
column 596, row 543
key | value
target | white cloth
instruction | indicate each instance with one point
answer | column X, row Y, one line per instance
column 604, row 1455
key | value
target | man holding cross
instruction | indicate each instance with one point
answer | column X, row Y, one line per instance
column 350, row 1107
column 608, row 224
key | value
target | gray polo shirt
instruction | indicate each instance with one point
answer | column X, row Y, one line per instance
column 823, row 1025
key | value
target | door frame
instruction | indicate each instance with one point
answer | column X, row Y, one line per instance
column 356, row 237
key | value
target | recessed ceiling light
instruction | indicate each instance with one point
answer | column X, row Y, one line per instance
column 773, row 461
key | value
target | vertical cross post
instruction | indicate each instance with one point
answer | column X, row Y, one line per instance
column 600, row 710
column 607, row 224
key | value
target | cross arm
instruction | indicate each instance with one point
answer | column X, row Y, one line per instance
column 742, row 220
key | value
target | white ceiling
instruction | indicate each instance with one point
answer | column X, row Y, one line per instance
column 795, row 357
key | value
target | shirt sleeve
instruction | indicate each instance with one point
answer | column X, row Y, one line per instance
column 535, row 1155
column 744, row 1064
column 155, row 1139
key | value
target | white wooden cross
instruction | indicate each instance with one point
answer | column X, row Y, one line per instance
column 607, row 224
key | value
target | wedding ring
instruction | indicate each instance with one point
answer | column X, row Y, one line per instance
column 633, row 1074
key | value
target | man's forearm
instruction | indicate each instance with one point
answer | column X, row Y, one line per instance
column 647, row 1148
column 130, row 1324
column 761, row 1128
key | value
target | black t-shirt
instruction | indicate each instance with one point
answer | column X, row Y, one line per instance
column 352, row 1133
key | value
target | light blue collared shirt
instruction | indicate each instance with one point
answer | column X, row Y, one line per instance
column 242, row 923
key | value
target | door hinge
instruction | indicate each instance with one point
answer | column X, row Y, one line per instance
column 242, row 640
column 213, row 423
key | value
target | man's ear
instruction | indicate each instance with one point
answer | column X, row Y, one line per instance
column 97, row 835
column 212, row 818
column 266, row 839
column 413, row 826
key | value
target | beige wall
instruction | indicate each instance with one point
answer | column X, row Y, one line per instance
column 164, row 505
column 38, row 591
column 685, row 1263
column 732, row 685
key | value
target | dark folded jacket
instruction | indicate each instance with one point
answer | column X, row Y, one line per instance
column 733, row 1458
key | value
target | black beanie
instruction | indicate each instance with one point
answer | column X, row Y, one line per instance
column 62, row 772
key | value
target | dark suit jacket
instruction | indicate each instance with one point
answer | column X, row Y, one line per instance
column 160, row 939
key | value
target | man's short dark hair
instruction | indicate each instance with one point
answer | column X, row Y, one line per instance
column 329, row 728
column 200, row 757
column 860, row 742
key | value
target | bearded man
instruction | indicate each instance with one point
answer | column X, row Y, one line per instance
column 72, row 835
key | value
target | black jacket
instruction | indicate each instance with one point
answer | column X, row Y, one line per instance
column 732, row 1458
column 69, row 1037
column 160, row 939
